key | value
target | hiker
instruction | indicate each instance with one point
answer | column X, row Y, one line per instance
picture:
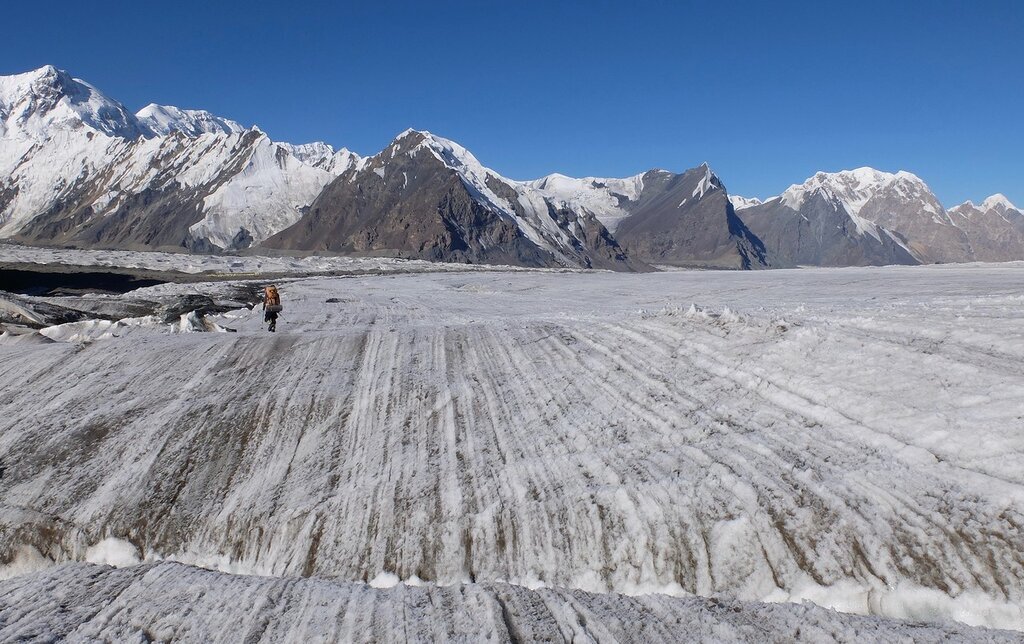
column 271, row 306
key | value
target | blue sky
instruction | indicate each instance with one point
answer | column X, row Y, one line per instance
column 766, row 92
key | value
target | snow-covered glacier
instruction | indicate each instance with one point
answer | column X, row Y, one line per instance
column 145, row 603
column 852, row 437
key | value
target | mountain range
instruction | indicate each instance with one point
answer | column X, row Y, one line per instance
column 78, row 169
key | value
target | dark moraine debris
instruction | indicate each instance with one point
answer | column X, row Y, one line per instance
column 52, row 282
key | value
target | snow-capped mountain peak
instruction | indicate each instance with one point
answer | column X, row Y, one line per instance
column 708, row 182
column 164, row 119
column 36, row 103
column 999, row 203
column 449, row 152
column 854, row 188
column 460, row 207
column 453, row 155
column 473, row 173
column 884, row 204
column 70, row 153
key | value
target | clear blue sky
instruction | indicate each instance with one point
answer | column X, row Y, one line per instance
column 766, row 92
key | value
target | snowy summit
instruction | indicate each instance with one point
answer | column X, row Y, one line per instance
column 164, row 119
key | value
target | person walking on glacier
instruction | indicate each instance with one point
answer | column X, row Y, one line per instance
column 271, row 307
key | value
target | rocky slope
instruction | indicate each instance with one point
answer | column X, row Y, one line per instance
column 687, row 220
column 897, row 202
column 664, row 218
column 864, row 216
column 849, row 218
column 427, row 197
column 819, row 229
column 994, row 228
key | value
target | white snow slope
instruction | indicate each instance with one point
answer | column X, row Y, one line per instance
column 62, row 140
column 604, row 198
column 852, row 437
column 164, row 119
column 739, row 203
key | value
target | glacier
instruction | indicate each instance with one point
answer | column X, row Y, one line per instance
column 848, row 437
column 144, row 603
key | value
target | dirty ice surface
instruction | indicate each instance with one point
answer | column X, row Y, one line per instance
column 852, row 437
column 174, row 602
column 242, row 265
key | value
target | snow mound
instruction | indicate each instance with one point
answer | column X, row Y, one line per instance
column 113, row 552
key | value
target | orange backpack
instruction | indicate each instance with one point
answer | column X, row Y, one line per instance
column 271, row 297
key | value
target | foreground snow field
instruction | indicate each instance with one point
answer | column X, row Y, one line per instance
column 167, row 601
column 850, row 436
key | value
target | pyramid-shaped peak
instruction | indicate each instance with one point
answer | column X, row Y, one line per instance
column 46, row 73
column 999, row 202
column 48, row 98
column 15, row 87
column 452, row 154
